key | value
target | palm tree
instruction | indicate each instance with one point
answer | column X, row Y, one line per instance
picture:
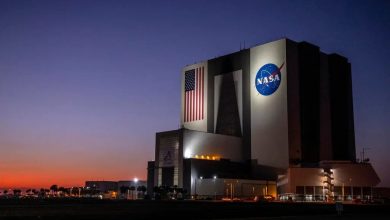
column 54, row 188
column 124, row 190
column 75, row 191
column 141, row 189
column 17, row 192
column 62, row 190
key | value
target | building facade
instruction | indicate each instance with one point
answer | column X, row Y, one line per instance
column 262, row 110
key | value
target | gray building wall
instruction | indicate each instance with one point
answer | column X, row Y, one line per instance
column 269, row 122
column 308, row 119
column 208, row 144
column 351, row 178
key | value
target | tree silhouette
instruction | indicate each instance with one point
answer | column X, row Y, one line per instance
column 17, row 192
column 141, row 189
column 123, row 189
column 62, row 190
column 54, row 188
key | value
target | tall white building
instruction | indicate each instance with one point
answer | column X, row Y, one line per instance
column 258, row 113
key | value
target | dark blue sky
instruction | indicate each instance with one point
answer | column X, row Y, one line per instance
column 84, row 85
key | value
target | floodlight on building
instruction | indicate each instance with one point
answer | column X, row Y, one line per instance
column 214, row 177
column 187, row 153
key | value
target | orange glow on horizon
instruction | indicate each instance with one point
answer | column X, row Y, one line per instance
column 68, row 169
column 40, row 179
column 69, row 160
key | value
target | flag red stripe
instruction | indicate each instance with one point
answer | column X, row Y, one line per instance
column 185, row 105
column 196, row 95
column 199, row 98
column 191, row 105
column 199, row 90
column 184, row 112
column 202, row 92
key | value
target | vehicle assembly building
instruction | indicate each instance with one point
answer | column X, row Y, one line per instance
column 275, row 119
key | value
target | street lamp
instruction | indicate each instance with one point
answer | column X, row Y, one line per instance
column 215, row 190
column 201, row 178
column 350, row 184
column 135, row 186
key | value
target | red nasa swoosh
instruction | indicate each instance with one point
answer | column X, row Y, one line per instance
column 277, row 71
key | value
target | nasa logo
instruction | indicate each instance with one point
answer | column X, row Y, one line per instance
column 268, row 79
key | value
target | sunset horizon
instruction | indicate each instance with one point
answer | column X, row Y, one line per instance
column 86, row 85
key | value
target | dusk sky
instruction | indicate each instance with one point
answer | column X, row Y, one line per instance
column 85, row 85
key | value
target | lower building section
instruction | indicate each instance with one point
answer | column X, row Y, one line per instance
column 206, row 165
column 220, row 188
column 330, row 181
column 213, row 179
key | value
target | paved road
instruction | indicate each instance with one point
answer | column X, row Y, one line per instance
column 102, row 209
column 324, row 217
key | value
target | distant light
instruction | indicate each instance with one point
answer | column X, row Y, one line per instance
column 196, row 156
column 202, row 157
column 201, row 177
column 213, row 158
column 136, row 180
column 215, row 177
column 208, row 158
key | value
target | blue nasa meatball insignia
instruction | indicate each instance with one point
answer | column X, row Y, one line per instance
column 268, row 79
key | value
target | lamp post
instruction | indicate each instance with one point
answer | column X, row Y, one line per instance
column 350, row 184
column 135, row 186
column 195, row 186
column 215, row 190
column 200, row 182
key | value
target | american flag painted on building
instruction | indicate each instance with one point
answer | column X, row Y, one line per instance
column 194, row 95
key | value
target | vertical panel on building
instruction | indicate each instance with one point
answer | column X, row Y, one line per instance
column 236, row 87
column 194, row 97
column 309, row 94
column 294, row 108
column 268, row 83
column 325, row 113
column 167, row 158
column 341, row 108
